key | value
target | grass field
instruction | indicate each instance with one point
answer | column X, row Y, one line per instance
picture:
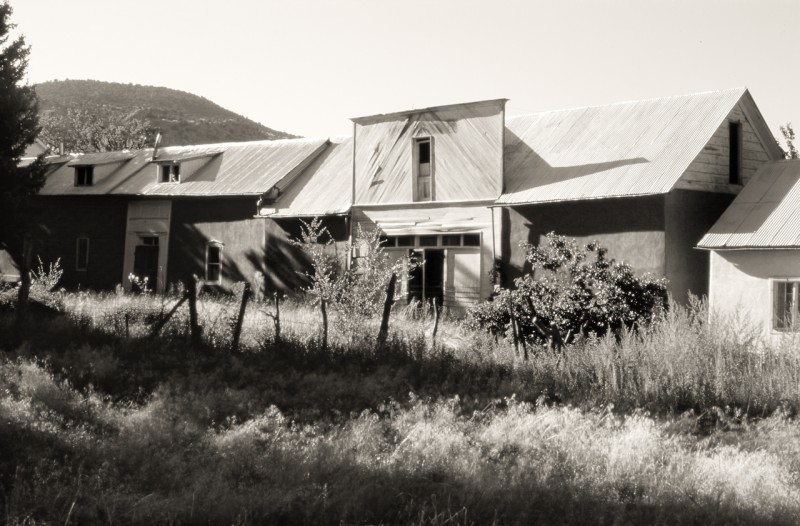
column 690, row 422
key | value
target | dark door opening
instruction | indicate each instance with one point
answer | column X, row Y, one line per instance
column 145, row 262
column 426, row 282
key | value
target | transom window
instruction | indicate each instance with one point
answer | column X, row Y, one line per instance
column 84, row 175
column 214, row 262
column 786, row 311
column 432, row 240
column 170, row 173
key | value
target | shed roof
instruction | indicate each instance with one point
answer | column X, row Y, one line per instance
column 765, row 214
column 324, row 187
column 624, row 149
column 248, row 168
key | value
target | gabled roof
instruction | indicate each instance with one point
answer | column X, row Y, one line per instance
column 625, row 149
column 323, row 188
column 765, row 214
column 249, row 168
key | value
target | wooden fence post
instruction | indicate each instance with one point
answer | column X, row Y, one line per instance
column 23, row 295
column 277, row 317
column 164, row 319
column 237, row 329
column 435, row 322
column 514, row 329
column 383, row 333
column 323, row 305
column 194, row 327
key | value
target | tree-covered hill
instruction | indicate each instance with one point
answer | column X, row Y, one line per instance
column 181, row 117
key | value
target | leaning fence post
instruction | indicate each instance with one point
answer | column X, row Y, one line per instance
column 194, row 327
column 277, row 317
column 237, row 329
column 383, row 333
column 323, row 305
column 435, row 322
column 162, row 321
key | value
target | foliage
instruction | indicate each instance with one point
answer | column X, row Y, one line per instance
column 788, row 135
column 317, row 243
column 81, row 131
column 18, row 128
column 45, row 279
column 572, row 292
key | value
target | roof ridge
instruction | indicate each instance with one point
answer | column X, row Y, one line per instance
column 742, row 89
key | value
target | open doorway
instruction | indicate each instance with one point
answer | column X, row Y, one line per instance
column 426, row 282
column 145, row 260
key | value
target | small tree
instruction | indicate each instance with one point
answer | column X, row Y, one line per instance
column 572, row 292
column 789, row 137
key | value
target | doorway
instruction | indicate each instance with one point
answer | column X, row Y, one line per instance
column 145, row 260
column 426, row 282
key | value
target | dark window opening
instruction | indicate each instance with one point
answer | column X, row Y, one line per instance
column 170, row 173
column 786, row 310
column 424, row 152
column 387, row 241
column 423, row 179
column 213, row 263
column 428, row 241
column 735, row 138
column 451, row 240
column 405, row 241
column 82, row 253
column 84, row 175
column 472, row 240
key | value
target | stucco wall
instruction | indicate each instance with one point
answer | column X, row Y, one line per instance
column 100, row 218
column 689, row 215
column 740, row 283
column 631, row 228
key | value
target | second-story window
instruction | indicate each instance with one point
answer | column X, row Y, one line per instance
column 423, row 174
column 84, row 175
column 170, row 173
column 735, row 148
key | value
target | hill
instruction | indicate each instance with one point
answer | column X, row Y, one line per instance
column 181, row 117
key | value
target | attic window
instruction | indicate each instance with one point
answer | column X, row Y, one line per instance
column 84, row 175
column 735, row 143
column 423, row 175
column 170, row 173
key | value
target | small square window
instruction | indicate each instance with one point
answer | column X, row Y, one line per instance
column 170, row 173
column 472, row 240
column 213, row 262
column 429, row 241
column 451, row 240
column 84, row 175
column 405, row 241
column 82, row 253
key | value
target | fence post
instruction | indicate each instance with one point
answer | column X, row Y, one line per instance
column 323, row 305
column 237, row 329
column 383, row 333
column 194, row 327
column 23, row 303
column 277, row 317
column 435, row 322
column 163, row 321
column 514, row 329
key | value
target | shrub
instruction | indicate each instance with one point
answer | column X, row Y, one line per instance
column 572, row 292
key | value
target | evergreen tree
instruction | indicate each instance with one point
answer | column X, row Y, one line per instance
column 19, row 126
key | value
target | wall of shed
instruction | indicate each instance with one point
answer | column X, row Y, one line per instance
column 688, row 216
column 467, row 154
column 741, row 288
column 100, row 218
column 710, row 169
column 631, row 228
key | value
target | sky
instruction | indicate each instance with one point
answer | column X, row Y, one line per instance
column 308, row 66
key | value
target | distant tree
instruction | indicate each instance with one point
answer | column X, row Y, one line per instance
column 19, row 126
column 789, row 137
column 81, row 131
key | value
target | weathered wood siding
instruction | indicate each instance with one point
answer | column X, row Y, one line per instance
column 466, row 158
column 100, row 218
column 710, row 169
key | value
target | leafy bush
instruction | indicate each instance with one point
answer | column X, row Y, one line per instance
column 572, row 292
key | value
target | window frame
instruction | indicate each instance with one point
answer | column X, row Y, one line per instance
column 84, row 175
column 416, row 166
column 735, row 152
column 794, row 324
column 209, row 246
column 172, row 171
column 78, row 261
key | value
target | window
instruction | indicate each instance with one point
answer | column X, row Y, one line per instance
column 213, row 262
column 428, row 241
column 82, row 253
column 785, row 314
column 84, row 175
column 170, row 173
column 423, row 174
column 472, row 240
column 735, row 143
column 405, row 241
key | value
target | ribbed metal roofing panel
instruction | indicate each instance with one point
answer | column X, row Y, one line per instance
column 249, row 168
column 324, row 187
column 766, row 214
column 624, row 149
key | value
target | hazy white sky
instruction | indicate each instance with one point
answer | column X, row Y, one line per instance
column 307, row 66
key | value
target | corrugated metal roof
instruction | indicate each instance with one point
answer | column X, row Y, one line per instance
column 324, row 187
column 766, row 214
column 624, row 149
column 249, row 168
column 96, row 159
